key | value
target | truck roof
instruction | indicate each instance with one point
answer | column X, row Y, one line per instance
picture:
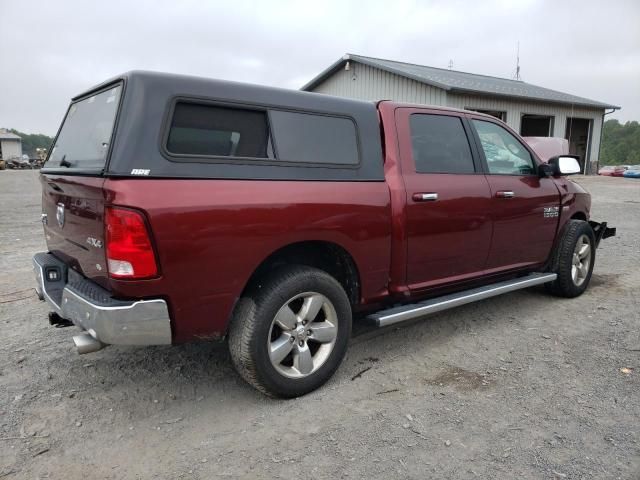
column 302, row 98
column 395, row 104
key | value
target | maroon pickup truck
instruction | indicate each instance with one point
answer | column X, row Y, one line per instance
column 179, row 208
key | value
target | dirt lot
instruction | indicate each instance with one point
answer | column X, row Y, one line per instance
column 521, row 386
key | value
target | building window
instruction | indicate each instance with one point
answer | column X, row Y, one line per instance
column 440, row 145
column 536, row 125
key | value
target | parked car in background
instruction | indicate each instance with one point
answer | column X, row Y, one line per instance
column 179, row 208
column 607, row 170
column 632, row 172
column 619, row 170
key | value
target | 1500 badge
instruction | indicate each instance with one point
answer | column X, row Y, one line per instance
column 551, row 212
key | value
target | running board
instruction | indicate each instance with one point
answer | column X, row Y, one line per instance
column 387, row 317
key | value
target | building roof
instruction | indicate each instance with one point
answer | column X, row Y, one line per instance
column 6, row 135
column 461, row 82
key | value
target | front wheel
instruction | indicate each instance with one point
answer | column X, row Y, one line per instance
column 289, row 333
column 573, row 260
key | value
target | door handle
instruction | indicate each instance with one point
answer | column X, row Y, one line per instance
column 505, row 194
column 425, row 197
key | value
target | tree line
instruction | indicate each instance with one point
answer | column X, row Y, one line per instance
column 31, row 141
column 620, row 143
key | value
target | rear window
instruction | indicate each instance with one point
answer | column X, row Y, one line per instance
column 308, row 138
column 440, row 145
column 85, row 136
column 205, row 130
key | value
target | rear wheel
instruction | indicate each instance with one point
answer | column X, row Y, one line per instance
column 573, row 260
column 289, row 334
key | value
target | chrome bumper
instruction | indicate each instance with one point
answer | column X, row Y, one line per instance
column 110, row 321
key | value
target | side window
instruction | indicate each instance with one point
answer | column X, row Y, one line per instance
column 206, row 130
column 440, row 145
column 504, row 153
column 309, row 138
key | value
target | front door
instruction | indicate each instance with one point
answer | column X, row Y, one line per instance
column 524, row 207
column 448, row 199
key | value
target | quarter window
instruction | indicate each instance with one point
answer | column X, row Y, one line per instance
column 205, row 130
column 504, row 153
column 440, row 145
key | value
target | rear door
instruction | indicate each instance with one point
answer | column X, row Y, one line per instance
column 72, row 180
column 524, row 207
column 448, row 199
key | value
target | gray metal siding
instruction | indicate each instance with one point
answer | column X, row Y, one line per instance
column 363, row 82
column 11, row 149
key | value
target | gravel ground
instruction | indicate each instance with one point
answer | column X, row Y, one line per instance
column 520, row 386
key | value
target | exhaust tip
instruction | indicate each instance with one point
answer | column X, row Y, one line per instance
column 85, row 343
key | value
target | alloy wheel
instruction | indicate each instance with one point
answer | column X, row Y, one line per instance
column 302, row 335
column 581, row 260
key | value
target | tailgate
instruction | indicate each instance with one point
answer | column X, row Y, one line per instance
column 73, row 213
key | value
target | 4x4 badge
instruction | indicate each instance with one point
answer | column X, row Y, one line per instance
column 94, row 242
column 60, row 214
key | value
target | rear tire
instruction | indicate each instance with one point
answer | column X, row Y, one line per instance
column 573, row 260
column 289, row 332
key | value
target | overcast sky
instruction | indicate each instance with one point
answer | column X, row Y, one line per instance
column 52, row 50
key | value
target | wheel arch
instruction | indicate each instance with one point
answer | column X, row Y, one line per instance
column 328, row 256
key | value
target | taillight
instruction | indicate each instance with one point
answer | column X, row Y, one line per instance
column 129, row 251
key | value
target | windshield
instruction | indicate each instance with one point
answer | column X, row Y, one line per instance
column 83, row 141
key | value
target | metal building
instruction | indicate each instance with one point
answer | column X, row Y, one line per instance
column 10, row 145
column 530, row 110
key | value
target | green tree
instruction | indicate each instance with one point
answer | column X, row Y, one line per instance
column 32, row 141
column 620, row 143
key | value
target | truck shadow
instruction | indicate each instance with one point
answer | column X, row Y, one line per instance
column 196, row 371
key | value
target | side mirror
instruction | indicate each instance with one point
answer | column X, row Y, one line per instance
column 565, row 165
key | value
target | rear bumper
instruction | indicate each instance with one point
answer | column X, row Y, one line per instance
column 90, row 307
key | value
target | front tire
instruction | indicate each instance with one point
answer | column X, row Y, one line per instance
column 573, row 260
column 289, row 333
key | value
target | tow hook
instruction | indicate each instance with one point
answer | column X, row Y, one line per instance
column 601, row 231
